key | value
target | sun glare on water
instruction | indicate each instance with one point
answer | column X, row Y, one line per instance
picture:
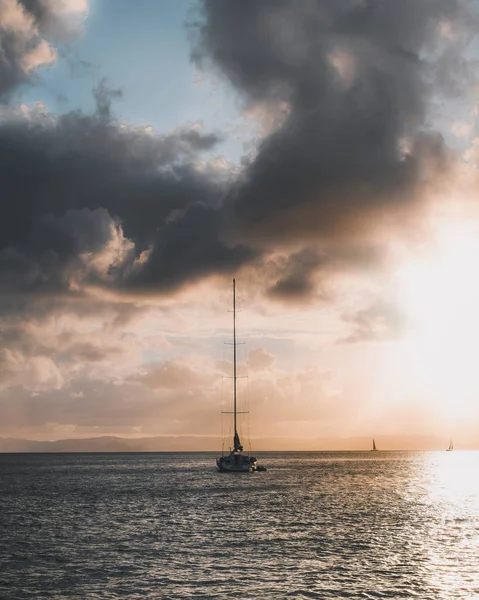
column 440, row 296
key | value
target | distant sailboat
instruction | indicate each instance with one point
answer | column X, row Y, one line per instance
column 451, row 446
column 236, row 461
column 374, row 449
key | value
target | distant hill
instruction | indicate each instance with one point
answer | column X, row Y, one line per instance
column 199, row 443
column 110, row 444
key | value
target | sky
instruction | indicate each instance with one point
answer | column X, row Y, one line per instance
column 322, row 152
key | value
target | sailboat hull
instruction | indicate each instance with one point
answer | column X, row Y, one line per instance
column 236, row 463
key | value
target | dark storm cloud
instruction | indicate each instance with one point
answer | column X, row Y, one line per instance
column 303, row 274
column 78, row 161
column 79, row 185
column 89, row 200
column 296, row 272
column 357, row 76
column 189, row 246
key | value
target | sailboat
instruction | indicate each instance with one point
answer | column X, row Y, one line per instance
column 451, row 446
column 374, row 449
column 236, row 461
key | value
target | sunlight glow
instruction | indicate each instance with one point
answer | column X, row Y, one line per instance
column 440, row 295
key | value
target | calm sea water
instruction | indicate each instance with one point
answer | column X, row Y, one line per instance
column 316, row 525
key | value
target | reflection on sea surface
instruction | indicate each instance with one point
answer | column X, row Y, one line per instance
column 315, row 525
column 452, row 494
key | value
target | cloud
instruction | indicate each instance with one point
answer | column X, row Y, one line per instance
column 90, row 201
column 33, row 373
column 358, row 78
column 177, row 396
column 177, row 374
column 45, row 351
column 100, row 218
column 93, row 202
column 296, row 274
column 25, row 28
column 61, row 19
column 259, row 359
column 378, row 322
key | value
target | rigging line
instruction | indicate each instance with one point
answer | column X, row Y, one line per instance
column 248, row 418
column 234, row 354
column 245, row 390
column 249, row 337
column 222, row 401
column 222, row 419
column 248, row 405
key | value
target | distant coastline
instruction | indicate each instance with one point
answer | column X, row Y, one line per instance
column 206, row 444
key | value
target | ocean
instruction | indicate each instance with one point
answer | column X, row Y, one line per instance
column 315, row 525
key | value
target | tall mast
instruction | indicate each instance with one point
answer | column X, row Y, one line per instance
column 234, row 354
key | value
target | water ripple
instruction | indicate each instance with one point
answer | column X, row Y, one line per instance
column 315, row 525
